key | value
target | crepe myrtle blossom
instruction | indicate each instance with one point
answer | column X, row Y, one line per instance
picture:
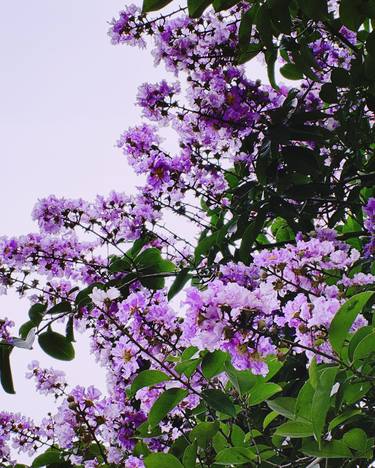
column 47, row 381
column 101, row 298
column 221, row 118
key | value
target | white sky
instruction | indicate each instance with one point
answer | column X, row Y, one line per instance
column 66, row 95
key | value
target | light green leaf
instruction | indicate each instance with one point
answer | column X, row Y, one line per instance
column 295, row 429
column 164, row 404
column 345, row 317
column 147, row 378
column 235, row 456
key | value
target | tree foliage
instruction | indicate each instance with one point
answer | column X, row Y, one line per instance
column 248, row 340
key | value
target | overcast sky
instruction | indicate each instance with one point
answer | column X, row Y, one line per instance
column 66, row 95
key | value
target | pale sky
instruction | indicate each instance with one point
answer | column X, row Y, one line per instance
column 66, row 94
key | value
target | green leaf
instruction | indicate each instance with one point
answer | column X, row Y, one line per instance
column 204, row 245
column 63, row 306
column 345, row 317
column 262, row 392
column 69, row 329
column 36, row 313
column 251, row 233
column 365, row 347
column 190, row 455
column 341, row 418
column 295, row 429
column 219, row 401
column 235, row 456
column 162, row 460
column 246, row 26
column 120, row 265
column 242, row 381
column 249, row 52
column 46, row 458
column 313, row 373
column 315, row 9
column 197, row 7
column 356, row 439
column 220, row 5
column 304, row 401
column 203, row 433
column 263, row 24
column 189, row 353
column 357, row 338
column 25, row 329
column 148, row 257
column 237, row 436
column 300, row 159
column 181, row 279
column 291, row 72
column 213, row 363
column 154, row 5
column 340, row 77
column 164, row 404
column 5, row 370
column 285, row 406
column 269, row 418
column 147, row 378
column 328, row 93
column 56, row 345
column 332, row 449
column 322, row 400
column 350, row 14
column 188, row 367
column 271, row 57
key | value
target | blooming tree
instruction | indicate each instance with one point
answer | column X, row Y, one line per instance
column 250, row 341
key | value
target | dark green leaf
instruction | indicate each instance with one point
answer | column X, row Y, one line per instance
column 219, row 401
column 290, row 71
column 69, row 329
column 223, row 4
column 36, row 313
column 328, row 93
column 154, row 5
column 350, row 14
column 204, row 432
column 251, row 233
column 148, row 257
column 60, row 308
column 56, row 345
column 197, row 7
column 300, row 159
column 213, row 363
column 181, row 279
column 5, row 370
column 340, row 77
